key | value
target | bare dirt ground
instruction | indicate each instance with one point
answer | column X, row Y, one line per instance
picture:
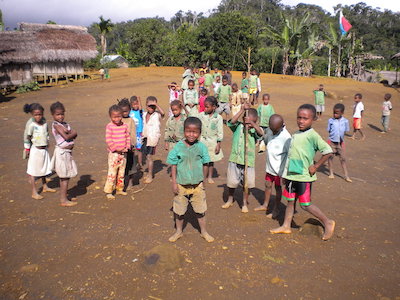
column 96, row 250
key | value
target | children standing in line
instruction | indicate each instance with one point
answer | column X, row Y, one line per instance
column 137, row 116
column 212, row 134
column 300, row 171
column 236, row 167
column 319, row 100
column 174, row 127
column 191, row 99
column 63, row 162
column 202, row 98
column 277, row 140
column 188, row 158
column 264, row 111
column 244, row 86
column 223, row 95
column 36, row 139
column 358, row 111
column 386, row 108
column 130, row 168
column 253, row 87
column 337, row 127
column 174, row 93
column 118, row 142
column 236, row 99
column 152, row 133
column 208, row 81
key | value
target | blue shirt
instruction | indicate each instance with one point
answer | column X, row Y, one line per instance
column 337, row 129
column 136, row 115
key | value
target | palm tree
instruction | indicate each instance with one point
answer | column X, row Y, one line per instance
column 104, row 27
column 332, row 42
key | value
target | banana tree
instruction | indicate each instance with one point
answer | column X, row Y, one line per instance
column 332, row 42
column 104, row 27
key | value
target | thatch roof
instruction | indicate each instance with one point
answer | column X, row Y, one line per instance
column 36, row 43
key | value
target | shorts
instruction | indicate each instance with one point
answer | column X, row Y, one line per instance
column 148, row 150
column 235, row 176
column 298, row 190
column 138, row 140
column 224, row 107
column 338, row 149
column 253, row 91
column 273, row 178
column 357, row 123
column 195, row 194
column 320, row 108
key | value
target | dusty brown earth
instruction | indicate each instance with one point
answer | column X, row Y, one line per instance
column 98, row 249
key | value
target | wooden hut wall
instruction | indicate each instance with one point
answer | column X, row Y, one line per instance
column 57, row 68
column 15, row 74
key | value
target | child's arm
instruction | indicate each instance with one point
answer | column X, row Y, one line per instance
column 220, row 134
column 326, row 151
column 66, row 134
column 140, row 102
column 173, row 176
column 313, row 168
column 184, row 108
column 258, row 129
column 160, row 110
column 109, row 140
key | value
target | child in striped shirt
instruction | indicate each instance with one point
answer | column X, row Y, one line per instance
column 118, row 142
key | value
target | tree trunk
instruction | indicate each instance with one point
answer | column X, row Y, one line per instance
column 103, row 44
column 329, row 61
column 339, row 62
column 285, row 62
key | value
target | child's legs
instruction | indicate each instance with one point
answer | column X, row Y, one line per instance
column 249, row 179
column 278, row 197
column 289, row 193
column 140, row 158
column 342, row 159
column 179, row 207
column 267, row 193
column 210, row 170
column 150, row 164
column 330, row 165
column 63, row 189
column 232, row 180
column 112, row 172
column 32, row 182
column 121, row 172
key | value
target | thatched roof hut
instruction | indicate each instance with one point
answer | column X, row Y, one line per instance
column 45, row 50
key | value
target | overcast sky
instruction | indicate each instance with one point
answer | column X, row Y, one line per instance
column 85, row 12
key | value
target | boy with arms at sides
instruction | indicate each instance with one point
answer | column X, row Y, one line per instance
column 224, row 94
column 187, row 159
column 319, row 100
column 337, row 127
column 236, row 166
column 278, row 141
column 386, row 109
column 253, row 88
column 244, row 86
column 300, row 171
column 358, row 111
column 174, row 127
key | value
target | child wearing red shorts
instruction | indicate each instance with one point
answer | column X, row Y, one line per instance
column 277, row 140
column 300, row 171
column 358, row 111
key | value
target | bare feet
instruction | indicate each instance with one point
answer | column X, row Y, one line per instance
column 227, row 204
column 210, row 181
column 329, row 229
column 110, row 196
column 348, row 179
column 37, row 197
column 281, row 229
column 148, row 179
column 331, row 176
column 48, row 190
column 353, row 137
column 274, row 214
column 176, row 236
column 260, row 208
column 122, row 193
column 245, row 209
column 207, row 237
column 363, row 138
column 68, row 203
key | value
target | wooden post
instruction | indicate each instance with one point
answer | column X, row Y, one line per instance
column 248, row 60
column 245, row 178
column 329, row 61
column 45, row 75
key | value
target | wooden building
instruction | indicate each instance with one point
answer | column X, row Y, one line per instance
column 43, row 50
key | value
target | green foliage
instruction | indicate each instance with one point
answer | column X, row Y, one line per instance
column 25, row 88
column 51, row 22
column 94, row 64
column 1, row 21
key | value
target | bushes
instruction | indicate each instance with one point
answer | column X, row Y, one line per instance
column 25, row 88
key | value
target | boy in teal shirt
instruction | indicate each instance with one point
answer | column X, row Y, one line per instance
column 187, row 160
column 300, row 171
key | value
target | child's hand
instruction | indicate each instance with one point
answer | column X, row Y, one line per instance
column 217, row 149
column 312, row 170
column 175, row 189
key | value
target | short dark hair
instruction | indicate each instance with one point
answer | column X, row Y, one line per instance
column 252, row 112
column 28, row 108
column 244, row 73
column 225, row 77
column 204, row 91
column 151, row 98
column 55, row 106
column 175, row 103
column 234, row 84
column 339, row 106
column 191, row 81
column 309, row 107
column 266, row 95
column 134, row 99
column 358, row 95
column 115, row 108
column 388, row 96
column 212, row 100
column 124, row 102
column 192, row 121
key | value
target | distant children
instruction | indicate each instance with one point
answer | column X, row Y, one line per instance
column 36, row 140
column 244, row 86
column 212, row 134
column 223, row 95
column 253, row 87
column 151, row 133
column 386, row 109
column 216, row 85
column 174, row 128
column 130, row 168
column 191, row 99
column 277, row 139
column 358, row 110
column 186, row 76
column 337, row 127
column 118, row 142
column 137, row 116
column 236, row 164
column 216, row 74
column 202, row 98
column 63, row 162
column 319, row 100
column 300, row 171
column 228, row 75
column 236, row 99
column 265, row 110
column 258, row 87
column 208, row 82
column 174, row 93
column 188, row 158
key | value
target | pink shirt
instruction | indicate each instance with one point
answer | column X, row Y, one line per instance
column 201, row 81
column 117, row 137
column 201, row 103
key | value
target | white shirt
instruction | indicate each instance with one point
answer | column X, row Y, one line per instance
column 216, row 86
column 358, row 108
column 258, row 84
column 277, row 151
column 151, row 128
column 173, row 95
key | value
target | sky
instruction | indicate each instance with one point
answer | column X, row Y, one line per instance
column 85, row 12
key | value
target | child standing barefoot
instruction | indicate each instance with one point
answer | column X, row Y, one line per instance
column 212, row 134
column 118, row 142
column 63, row 162
column 151, row 133
column 191, row 99
column 36, row 138
column 358, row 111
column 337, row 127
column 300, row 171
column 188, row 158
column 265, row 110
column 319, row 100
column 174, row 128
column 386, row 109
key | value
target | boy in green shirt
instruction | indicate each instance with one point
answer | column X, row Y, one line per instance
column 319, row 99
column 174, row 127
column 187, row 159
column 265, row 111
column 245, row 86
column 208, row 81
column 216, row 74
column 300, row 171
column 223, row 95
column 236, row 166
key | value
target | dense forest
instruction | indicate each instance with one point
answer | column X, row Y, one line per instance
column 300, row 40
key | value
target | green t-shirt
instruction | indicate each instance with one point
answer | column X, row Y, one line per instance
column 189, row 161
column 237, row 152
column 215, row 75
column 253, row 81
column 244, row 86
column 319, row 97
column 174, row 127
column 264, row 113
column 223, row 92
column 208, row 79
column 301, row 155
